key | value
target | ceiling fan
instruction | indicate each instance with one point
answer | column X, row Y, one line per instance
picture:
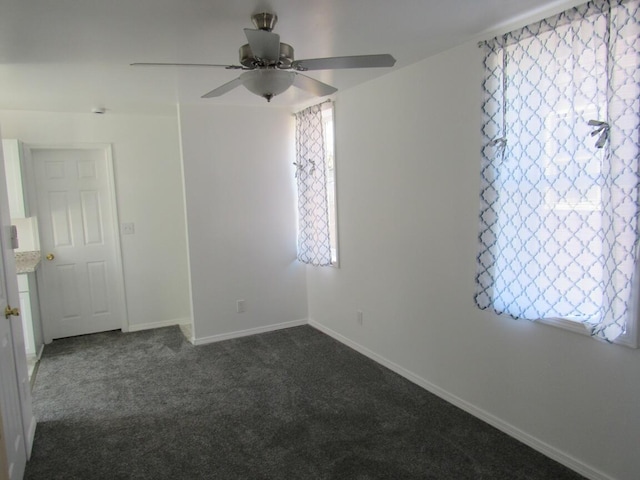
column 269, row 67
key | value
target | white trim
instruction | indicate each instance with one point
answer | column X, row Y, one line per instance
column 38, row 355
column 47, row 334
column 117, row 238
column 628, row 339
column 542, row 447
column 576, row 327
column 164, row 323
column 331, row 104
column 251, row 331
column 31, row 434
column 187, row 330
column 186, row 223
column 631, row 338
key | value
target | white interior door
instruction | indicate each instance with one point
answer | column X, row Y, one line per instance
column 15, row 399
column 82, row 289
column 15, row 454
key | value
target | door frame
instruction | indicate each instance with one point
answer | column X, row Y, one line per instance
column 33, row 200
column 9, row 278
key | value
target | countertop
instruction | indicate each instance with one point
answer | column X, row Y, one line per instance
column 27, row 262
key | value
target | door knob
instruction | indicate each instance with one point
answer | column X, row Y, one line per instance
column 8, row 311
column 50, row 256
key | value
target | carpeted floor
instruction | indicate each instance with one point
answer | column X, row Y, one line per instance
column 292, row 404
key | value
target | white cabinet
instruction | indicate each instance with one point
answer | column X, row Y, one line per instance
column 14, row 169
column 27, row 325
column 30, row 313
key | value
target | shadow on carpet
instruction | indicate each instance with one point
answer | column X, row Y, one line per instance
column 291, row 404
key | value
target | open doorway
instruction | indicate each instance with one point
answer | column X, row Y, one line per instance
column 26, row 249
column 17, row 423
column 63, row 206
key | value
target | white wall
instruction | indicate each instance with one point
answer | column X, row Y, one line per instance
column 408, row 164
column 149, row 193
column 241, row 218
column 27, row 228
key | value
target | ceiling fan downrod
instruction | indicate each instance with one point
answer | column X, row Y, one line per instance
column 264, row 21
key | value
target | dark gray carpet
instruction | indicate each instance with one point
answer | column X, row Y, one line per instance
column 292, row 404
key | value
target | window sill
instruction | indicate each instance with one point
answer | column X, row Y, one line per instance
column 629, row 339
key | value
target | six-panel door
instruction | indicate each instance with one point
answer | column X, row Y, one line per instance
column 82, row 291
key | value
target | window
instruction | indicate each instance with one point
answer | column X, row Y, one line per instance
column 560, row 187
column 315, row 174
column 329, row 142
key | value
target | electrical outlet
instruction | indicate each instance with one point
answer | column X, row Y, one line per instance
column 240, row 306
column 359, row 318
column 127, row 229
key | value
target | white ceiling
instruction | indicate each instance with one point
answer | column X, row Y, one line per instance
column 72, row 55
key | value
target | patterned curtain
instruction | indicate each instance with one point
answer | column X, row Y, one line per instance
column 314, row 246
column 559, row 196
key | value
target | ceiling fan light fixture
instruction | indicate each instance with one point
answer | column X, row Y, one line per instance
column 267, row 83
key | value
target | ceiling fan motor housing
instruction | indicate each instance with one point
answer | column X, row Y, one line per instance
column 248, row 60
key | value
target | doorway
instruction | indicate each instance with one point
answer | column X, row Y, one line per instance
column 82, row 287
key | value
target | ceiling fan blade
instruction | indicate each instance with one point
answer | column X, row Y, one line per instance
column 264, row 45
column 222, row 89
column 356, row 61
column 145, row 64
column 311, row 85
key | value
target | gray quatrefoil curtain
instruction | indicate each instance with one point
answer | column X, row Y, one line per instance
column 559, row 195
column 314, row 246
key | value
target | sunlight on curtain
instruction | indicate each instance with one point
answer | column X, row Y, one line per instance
column 559, row 199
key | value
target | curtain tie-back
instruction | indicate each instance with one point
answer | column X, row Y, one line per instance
column 299, row 167
column 500, row 142
column 602, row 128
column 501, row 146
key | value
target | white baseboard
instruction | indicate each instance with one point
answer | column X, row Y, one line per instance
column 533, row 442
column 187, row 331
column 250, row 331
column 164, row 323
column 37, row 355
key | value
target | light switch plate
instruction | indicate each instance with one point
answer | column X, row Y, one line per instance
column 240, row 306
column 127, row 229
column 14, row 237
